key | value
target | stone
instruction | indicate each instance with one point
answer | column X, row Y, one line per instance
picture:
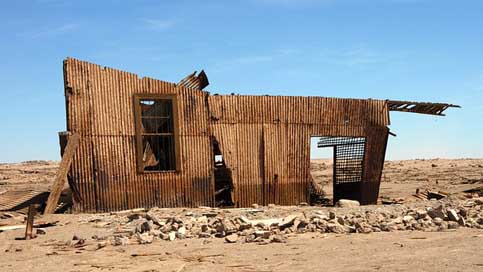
column 172, row 236
column 266, row 222
column 232, row 238
column 437, row 221
column 155, row 219
column 262, row 233
column 145, row 226
column 163, row 236
column 144, row 238
column 453, row 225
column 205, row 228
column 461, row 221
column 436, row 212
column 397, row 220
column 336, row 228
column 41, row 231
column 101, row 244
column 271, row 205
column 421, row 214
column 407, row 219
column 255, row 206
column 181, row 232
column 202, row 219
column 332, row 215
column 121, row 241
column 245, row 220
column 278, row 239
column 244, row 226
column 346, row 203
column 463, row 212
column 452, row 215
column 288, row 221
column 365, row 230
column 204, row 235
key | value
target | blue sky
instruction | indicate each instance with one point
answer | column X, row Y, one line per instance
column 421, row 50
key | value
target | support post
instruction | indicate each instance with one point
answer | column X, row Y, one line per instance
column 56, row 190
column 30, row 223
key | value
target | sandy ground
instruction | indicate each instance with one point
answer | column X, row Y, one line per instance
column 458, row 250
column 400, row 179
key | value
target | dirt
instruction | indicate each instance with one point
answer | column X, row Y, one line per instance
column 400, row 179
column 449, row 250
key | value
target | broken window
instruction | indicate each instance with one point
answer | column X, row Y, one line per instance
column 156, row 133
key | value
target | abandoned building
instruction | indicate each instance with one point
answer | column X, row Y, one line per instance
column 145, row 142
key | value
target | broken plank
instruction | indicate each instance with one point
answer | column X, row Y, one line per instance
column 73, row 143
column 30, row 223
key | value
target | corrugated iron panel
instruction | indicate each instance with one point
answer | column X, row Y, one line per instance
column 376, row 143
column 193, row 81
column 100, row 108
column 261, row 137
column 11, row 200
column 297, row 110
column 420, row 107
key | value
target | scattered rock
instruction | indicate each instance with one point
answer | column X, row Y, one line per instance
column 41, row 231
column 172, row 236
column 232, row 238
column 144, row 238
column 453, row 225
column 453, row 215
column 121, row 241
column 346, row 203
column 181, row 233
column 436, row 212
column 288, row 221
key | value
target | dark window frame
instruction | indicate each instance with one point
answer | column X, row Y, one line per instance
column 139, row 135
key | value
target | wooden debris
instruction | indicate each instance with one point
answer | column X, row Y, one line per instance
column 30, row 223
column 58, row 186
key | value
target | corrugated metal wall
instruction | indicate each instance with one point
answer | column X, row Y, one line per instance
column 265, row 141
column 100, row 108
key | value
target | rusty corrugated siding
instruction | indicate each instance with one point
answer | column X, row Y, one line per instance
column 100, row 108
column 266, row 140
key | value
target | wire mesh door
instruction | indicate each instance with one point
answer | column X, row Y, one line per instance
column 348, row 165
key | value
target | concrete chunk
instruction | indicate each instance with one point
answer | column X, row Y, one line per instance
column 346, row 203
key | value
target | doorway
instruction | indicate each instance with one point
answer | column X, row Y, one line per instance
column 347, row 166
column 321, row 173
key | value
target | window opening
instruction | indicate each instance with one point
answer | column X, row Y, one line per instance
column 156, row 135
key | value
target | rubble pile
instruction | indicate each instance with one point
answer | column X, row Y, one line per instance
column 260, row 226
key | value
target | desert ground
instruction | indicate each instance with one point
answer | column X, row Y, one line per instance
column 393, row 237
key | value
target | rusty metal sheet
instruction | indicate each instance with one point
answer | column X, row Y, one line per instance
column 420, row 107
column 16, row 200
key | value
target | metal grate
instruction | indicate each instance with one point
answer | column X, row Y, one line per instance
column 348, row 157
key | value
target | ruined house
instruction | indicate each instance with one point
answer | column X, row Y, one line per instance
column 146, row 142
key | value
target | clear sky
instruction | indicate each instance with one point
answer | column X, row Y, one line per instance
column 420, row 50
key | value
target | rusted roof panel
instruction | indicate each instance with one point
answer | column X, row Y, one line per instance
column 420, row 107
column 193, row 81
column 15, row 200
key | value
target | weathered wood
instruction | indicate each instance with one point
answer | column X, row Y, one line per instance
column 72, row 145
column 30, row 223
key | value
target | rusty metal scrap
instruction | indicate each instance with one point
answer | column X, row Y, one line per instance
column 194, row 81
column 420, row 107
